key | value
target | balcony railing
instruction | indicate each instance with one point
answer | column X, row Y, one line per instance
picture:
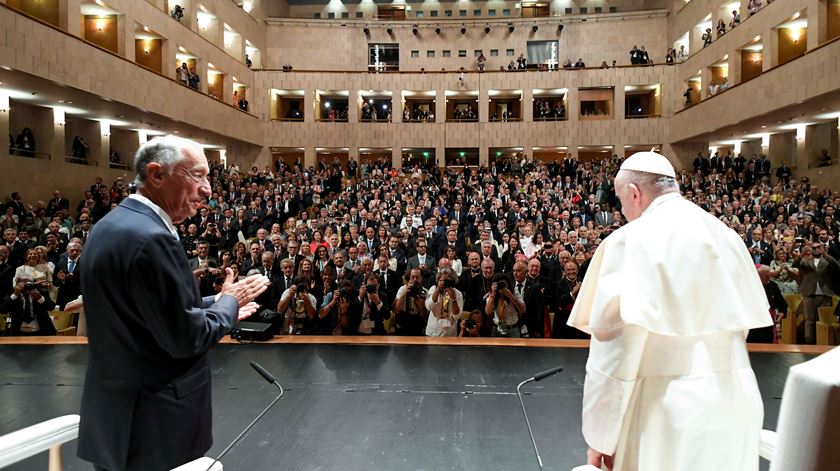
column 29, row 154
column 81, row 161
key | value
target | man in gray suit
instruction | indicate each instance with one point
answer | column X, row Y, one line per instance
column 425, row 262
column 146, row 402
column 815, row 267
column 602, row 217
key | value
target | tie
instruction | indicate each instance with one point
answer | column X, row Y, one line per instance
column 27, row 309
column 385, row 277
column 519, row 288
column 71, row 265
column 288, row 283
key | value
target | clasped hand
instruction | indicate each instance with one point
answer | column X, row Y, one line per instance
column 245, row 291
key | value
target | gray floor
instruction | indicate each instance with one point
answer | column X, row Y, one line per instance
column 362, row 407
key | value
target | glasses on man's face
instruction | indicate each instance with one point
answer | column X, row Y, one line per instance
column 197, row 176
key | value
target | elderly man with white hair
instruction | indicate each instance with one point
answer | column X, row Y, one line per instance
column 668, row 300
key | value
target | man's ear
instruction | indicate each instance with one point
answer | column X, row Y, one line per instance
column 154, row 174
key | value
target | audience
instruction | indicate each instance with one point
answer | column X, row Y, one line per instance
column 473, row 251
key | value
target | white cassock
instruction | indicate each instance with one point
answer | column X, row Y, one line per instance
column 669, row 299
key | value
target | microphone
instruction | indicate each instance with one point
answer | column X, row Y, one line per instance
column 268, row 377
column 537, row 377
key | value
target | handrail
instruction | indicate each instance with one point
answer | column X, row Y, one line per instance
column 432, row 72
column 111, row 53
column 293, row 120
column 559, row 118
column 81, row 160
column 118, row 165
column 826, row 163
column 32, row 440
column 31, row 155
column 461, row 120
column 641, row 116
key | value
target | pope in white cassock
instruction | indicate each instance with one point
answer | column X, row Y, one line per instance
column 669, row 299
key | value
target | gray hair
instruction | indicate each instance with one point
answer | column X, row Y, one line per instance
column 654, row 183
column 165, row 150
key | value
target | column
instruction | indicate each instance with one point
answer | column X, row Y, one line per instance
column 770, row 54
column 734, row 74
column 817, row 22
column 55, row 142
column 705, row 81
column 440, row 106
column 396, row 107
column 527, row 105
column 125, row 37
column 396, row 157
column 309, row 157
column 483, row 156
column 310, row 107
column 618, row 99
column 4, row 121
column 69, row 12
column 440, row 156
column 353, row 105
column 104, row 151
column 572, row 104
column 483, row 106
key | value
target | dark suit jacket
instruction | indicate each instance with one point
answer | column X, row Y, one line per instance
column 69, row 289
column 810, row 275
column 534, row 298
column 428, row 275
column 40, row 310
column 146, row 401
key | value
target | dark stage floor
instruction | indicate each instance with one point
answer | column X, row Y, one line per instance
column 354, row 407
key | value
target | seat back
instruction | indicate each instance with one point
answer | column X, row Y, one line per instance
column 808, row 434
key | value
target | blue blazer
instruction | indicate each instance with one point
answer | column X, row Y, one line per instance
column 146, row 401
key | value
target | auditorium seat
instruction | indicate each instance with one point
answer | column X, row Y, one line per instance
column 807, row 434
column 790, row 323
column 828, row 328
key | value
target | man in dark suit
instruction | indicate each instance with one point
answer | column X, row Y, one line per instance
column 65, row 276
column 815, row 269
column 58, row 203
column 425, row 262
column 29, row 306
column 7, row 272
column 146, row 401
column 761, row 251
column 567, row 291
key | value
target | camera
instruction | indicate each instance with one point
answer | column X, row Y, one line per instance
column 501, row 284
column 470, row 324
column 30, row 286
column 300, row 287
column 371, row 289
column 448, row 283
column 416, row 291
column 347, row 293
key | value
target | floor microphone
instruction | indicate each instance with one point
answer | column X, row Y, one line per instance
column 268, row 377
column 537, row 377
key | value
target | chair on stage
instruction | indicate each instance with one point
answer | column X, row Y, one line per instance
column 791, row 322
column 807, row 433
column 828, row 328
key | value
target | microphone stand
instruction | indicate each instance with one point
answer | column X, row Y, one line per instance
column 536, row 377
column 268, row 377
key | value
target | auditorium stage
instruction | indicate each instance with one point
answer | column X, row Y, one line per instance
column 363, row 407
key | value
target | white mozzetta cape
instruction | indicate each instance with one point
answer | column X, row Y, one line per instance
column 668, row 300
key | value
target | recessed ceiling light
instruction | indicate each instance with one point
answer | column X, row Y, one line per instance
column 763, row 127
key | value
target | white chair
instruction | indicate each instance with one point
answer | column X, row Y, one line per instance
column 30, row 441
column 808, row 432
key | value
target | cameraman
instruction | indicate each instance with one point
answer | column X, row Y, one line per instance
column 374, row 311
column 473, row 326
column 339, row 309
column 410, row 308
column 297, row 306
column 445, row 303
column 504, row 306
column 29, row 306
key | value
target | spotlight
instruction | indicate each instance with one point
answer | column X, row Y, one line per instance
column 463, row 29
column 560, row 28
column 437, row 30
column 534, row 28
column 390, row 31
column 366, row 31
column 487, row 29
column 510, row 28
column 415, row 30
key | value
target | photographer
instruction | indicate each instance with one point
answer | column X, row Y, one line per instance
column 474, row 326
column 504, row 306
column 445, row 303
column 29, row 306
column 374, row 311
column 339, row 309
column 297, row 306
column 409, row 308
